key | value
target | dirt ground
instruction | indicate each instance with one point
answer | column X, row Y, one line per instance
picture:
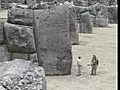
column 102, row 43
column 3, row 14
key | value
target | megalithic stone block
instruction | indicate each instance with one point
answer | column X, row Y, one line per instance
column 53, row 40
column 1, row 32
column 101, row 22
column 85, row 24
column 113, row 12
column 20, row 74
column 20, row 16
column 19, row 39
column 73, row 25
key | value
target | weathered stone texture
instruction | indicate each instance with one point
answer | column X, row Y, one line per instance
column 101, row 22
column 100, row 15
column 19, row 39
column 85, row 26
column 2, row 20
column 21, row 75
column 73, row 25
column 53, row 44
column 113, row 14
column 1, row 32
column 81, row 2
column 4, row 54
column 32, row 57
column 84, row 19
column 20, row 16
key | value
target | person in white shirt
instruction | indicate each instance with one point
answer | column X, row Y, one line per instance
column 79, row 66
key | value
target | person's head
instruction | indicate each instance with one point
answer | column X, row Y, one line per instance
column 94, row 55
column 79, row 57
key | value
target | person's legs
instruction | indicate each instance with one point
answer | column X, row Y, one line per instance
column 79, row 71
column 95, row 69
column 92, row 70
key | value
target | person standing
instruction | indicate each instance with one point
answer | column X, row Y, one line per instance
column 79, row 66
column 94, row 64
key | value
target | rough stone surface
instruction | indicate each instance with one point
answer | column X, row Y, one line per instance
column 20, row 16
column 32, row 57
column 85, row 26
column 101, row 22
column 1, row 32
column 73, row 25
column 2, row 20
column 53, row 43
column 21, row 75
column 100, row 13
column 81, row 2
column 4, row 54
column 84, row 19
column 19, row 38
column 113, row 12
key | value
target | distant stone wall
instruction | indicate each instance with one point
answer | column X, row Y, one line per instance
column 84, row 19
column 113, row 14
column 73, row 25
column 98, row 13
column 1, row 30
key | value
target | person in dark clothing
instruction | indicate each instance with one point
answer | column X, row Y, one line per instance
column 25, row 2
column 94, row 65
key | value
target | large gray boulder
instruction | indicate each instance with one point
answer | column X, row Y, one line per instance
column 20, row 15
column 4, row 54
column 2, row 20
column 73, row 25
column 32, row 57
column 101, row 22
column 113, row 12
column 81, row 2
column 1, row 32
column 19, row 39
column 20, row 74
column 85, row 25
column 99, row 13
column 53, row 40
column 84, row 19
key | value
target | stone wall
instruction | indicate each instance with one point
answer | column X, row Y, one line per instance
column 84, row 19
column 73, row 25
column 20, row 16
column 97, row 13
column 1, row 31
column 113, row 14
column 19, row 39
